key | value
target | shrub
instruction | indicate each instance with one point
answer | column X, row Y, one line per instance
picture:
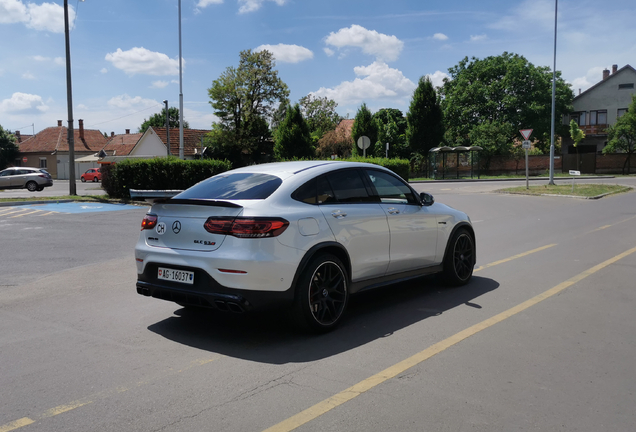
column 158, row 174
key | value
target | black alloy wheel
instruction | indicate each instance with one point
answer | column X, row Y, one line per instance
column 322, row 294
column 460, row 259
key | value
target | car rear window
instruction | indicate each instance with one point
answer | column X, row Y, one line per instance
column 239, row 186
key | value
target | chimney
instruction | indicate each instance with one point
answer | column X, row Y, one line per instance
column 81, row 129
column 605, row 74
column 127, row 131
column 17, row 135
column 59, row 123
column 579, row 91
column 112, row 134
column 614, row 69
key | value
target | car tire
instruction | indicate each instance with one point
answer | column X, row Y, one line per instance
column 322, row 294
column 460, row 258
column 83, row 179
column 95, row 179
column 40, row 189
column 32, row 186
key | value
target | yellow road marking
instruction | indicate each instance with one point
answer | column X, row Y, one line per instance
column 64, row 408
column 6, row 209
column 25, row 421
column 90, row 399
column 357, row 389
column 11, row 212
column 609, row 226
column 25, row 214
column 46, row 214
column 521, row 255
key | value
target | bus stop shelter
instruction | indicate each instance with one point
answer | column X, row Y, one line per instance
column 454, row 162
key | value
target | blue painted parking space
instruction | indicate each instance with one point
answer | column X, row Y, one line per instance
column 81, row 207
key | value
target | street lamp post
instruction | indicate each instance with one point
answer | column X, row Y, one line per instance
column 180, row 91
column 69, row 101
column 551, row 182
column 167, row 126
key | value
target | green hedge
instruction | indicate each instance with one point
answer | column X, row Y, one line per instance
column 158, row 174
column 399, row 166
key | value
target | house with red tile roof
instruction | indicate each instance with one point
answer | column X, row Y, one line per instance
column 49, row 149
column 122, row 144
column 154, row 143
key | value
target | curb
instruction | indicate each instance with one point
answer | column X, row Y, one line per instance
column 508, row 179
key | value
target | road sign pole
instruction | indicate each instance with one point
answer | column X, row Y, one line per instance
column 527, row 180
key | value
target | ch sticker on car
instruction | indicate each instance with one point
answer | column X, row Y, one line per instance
column 161, row 228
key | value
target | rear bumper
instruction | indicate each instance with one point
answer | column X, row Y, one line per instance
column 208, row 293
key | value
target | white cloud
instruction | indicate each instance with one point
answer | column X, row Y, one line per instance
column 440, row 36
column 143, row 61
column 104, row 70
column 592, row 76
column 477, row 38
column 376, row 81
column 253, row 5
column 125, row 102
column 59, row 61
column 23, row 103
column 159, row 84
column 383, row 47
column 28, row 75
column 287, row 53
column 205, row 3
column 437, row 78
column 534, row 14
column 328, row 51
column 46, row 16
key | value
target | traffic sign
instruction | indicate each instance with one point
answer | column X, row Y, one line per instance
column 364, row 142
column 572, row 172
column 526, row 133
column 526, row 144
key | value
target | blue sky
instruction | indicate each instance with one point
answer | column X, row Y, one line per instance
column 125, row 53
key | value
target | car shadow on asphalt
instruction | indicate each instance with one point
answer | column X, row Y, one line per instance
column 270, row 337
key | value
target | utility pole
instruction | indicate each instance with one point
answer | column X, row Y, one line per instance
column 180, row 91
column 551, row 182
column 69, row 102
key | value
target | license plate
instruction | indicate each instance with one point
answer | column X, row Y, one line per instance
column 173, row 275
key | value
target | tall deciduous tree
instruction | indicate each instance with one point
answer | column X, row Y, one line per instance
column 425, row 127
column 159, row 120
column 9, row 150
column 242, row 97
column 505, row 89
column 292, row 137
column 320, row 114
column 364, row 125
column 494, row 139
column 391, row 125
column 622, row 136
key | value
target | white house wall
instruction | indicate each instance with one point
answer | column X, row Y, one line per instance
column 607, row 95
column 149, row 145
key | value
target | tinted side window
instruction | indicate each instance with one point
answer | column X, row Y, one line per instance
column 348, row 186
column 390, row 189
column 306, row 193
column 316, row 191
column 239, row 186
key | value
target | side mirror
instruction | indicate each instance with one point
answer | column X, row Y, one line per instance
column 427, row 199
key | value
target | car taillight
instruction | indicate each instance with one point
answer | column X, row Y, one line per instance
column 149, row 222
column 246, row 227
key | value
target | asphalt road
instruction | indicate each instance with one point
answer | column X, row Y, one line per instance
column 542, row 339
column 59, row 188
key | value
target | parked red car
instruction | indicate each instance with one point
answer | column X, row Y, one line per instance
column 93, row 174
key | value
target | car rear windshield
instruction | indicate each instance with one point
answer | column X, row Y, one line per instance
column 239, row 186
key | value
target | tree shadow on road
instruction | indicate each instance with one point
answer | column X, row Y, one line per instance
column 269, row 337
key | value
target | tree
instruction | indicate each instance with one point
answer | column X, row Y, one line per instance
column 391, row 126
column 622, row 136
column 494, row 139
column 335, row 142
column 505, row 89
column 159, row 120
column 292, row 138
column 364, row 125
column 9, row 150
column 244, row 96
column 425, row 127
column 320, row 114
column 577, row 136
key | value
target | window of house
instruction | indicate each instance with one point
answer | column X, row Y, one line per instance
column 43, row 162
column 626, row 86
column 578, row 117
column 598, row 117
column 621, row 112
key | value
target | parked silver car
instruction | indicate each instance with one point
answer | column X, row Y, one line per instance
column 33, row 179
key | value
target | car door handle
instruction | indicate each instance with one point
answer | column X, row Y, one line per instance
column 338, row 214
column 393, row 210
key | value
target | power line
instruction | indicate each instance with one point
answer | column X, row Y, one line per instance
column 127, row 115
